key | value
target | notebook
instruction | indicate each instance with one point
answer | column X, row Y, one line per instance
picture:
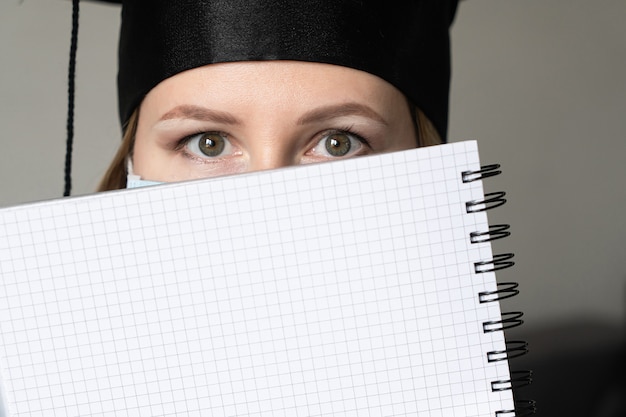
column 362, row 287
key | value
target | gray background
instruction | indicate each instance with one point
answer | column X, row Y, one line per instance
column 540, row 84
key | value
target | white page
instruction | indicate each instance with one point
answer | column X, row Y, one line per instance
column 342, row 289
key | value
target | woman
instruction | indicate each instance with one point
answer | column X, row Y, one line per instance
column 215, row 88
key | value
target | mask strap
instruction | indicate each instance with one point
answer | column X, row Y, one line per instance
column 133, row 180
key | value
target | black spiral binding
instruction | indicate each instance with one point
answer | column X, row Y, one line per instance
column 514, row 348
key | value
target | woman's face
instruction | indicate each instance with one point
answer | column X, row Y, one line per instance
column 246, row 116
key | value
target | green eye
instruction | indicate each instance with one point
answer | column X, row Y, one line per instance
column 338, row 144
column 211, row 144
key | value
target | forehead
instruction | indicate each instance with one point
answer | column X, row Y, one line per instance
column 273, row 83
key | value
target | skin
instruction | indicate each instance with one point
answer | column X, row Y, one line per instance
column 268, row 115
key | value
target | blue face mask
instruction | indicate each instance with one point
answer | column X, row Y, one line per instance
column 135, row 181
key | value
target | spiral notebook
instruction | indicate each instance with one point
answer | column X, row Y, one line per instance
column 364, row 287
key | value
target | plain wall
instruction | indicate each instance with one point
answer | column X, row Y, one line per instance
column 540, row 84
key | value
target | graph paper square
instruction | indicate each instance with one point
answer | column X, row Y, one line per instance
column 344, row 289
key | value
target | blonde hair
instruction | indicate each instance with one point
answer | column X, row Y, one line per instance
column 426, row 133
column 116, row 174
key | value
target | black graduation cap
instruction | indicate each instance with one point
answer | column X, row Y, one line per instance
column 405, row 42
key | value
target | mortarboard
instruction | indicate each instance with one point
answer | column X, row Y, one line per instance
column 404, row 42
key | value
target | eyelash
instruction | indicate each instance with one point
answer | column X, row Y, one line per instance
column 348, row 130
column 181, row 144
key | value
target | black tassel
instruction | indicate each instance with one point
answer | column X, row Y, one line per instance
column 70, row 99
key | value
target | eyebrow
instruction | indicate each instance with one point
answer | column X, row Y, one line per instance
column 319, row 114
column 200, row 113
column 323, row 113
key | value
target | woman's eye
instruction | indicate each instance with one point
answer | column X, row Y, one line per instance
column 338, row 144
column 209, row 144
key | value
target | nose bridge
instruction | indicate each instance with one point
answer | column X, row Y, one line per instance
column 270, row 149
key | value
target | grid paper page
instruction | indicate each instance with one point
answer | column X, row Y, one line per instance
column 337, row 289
